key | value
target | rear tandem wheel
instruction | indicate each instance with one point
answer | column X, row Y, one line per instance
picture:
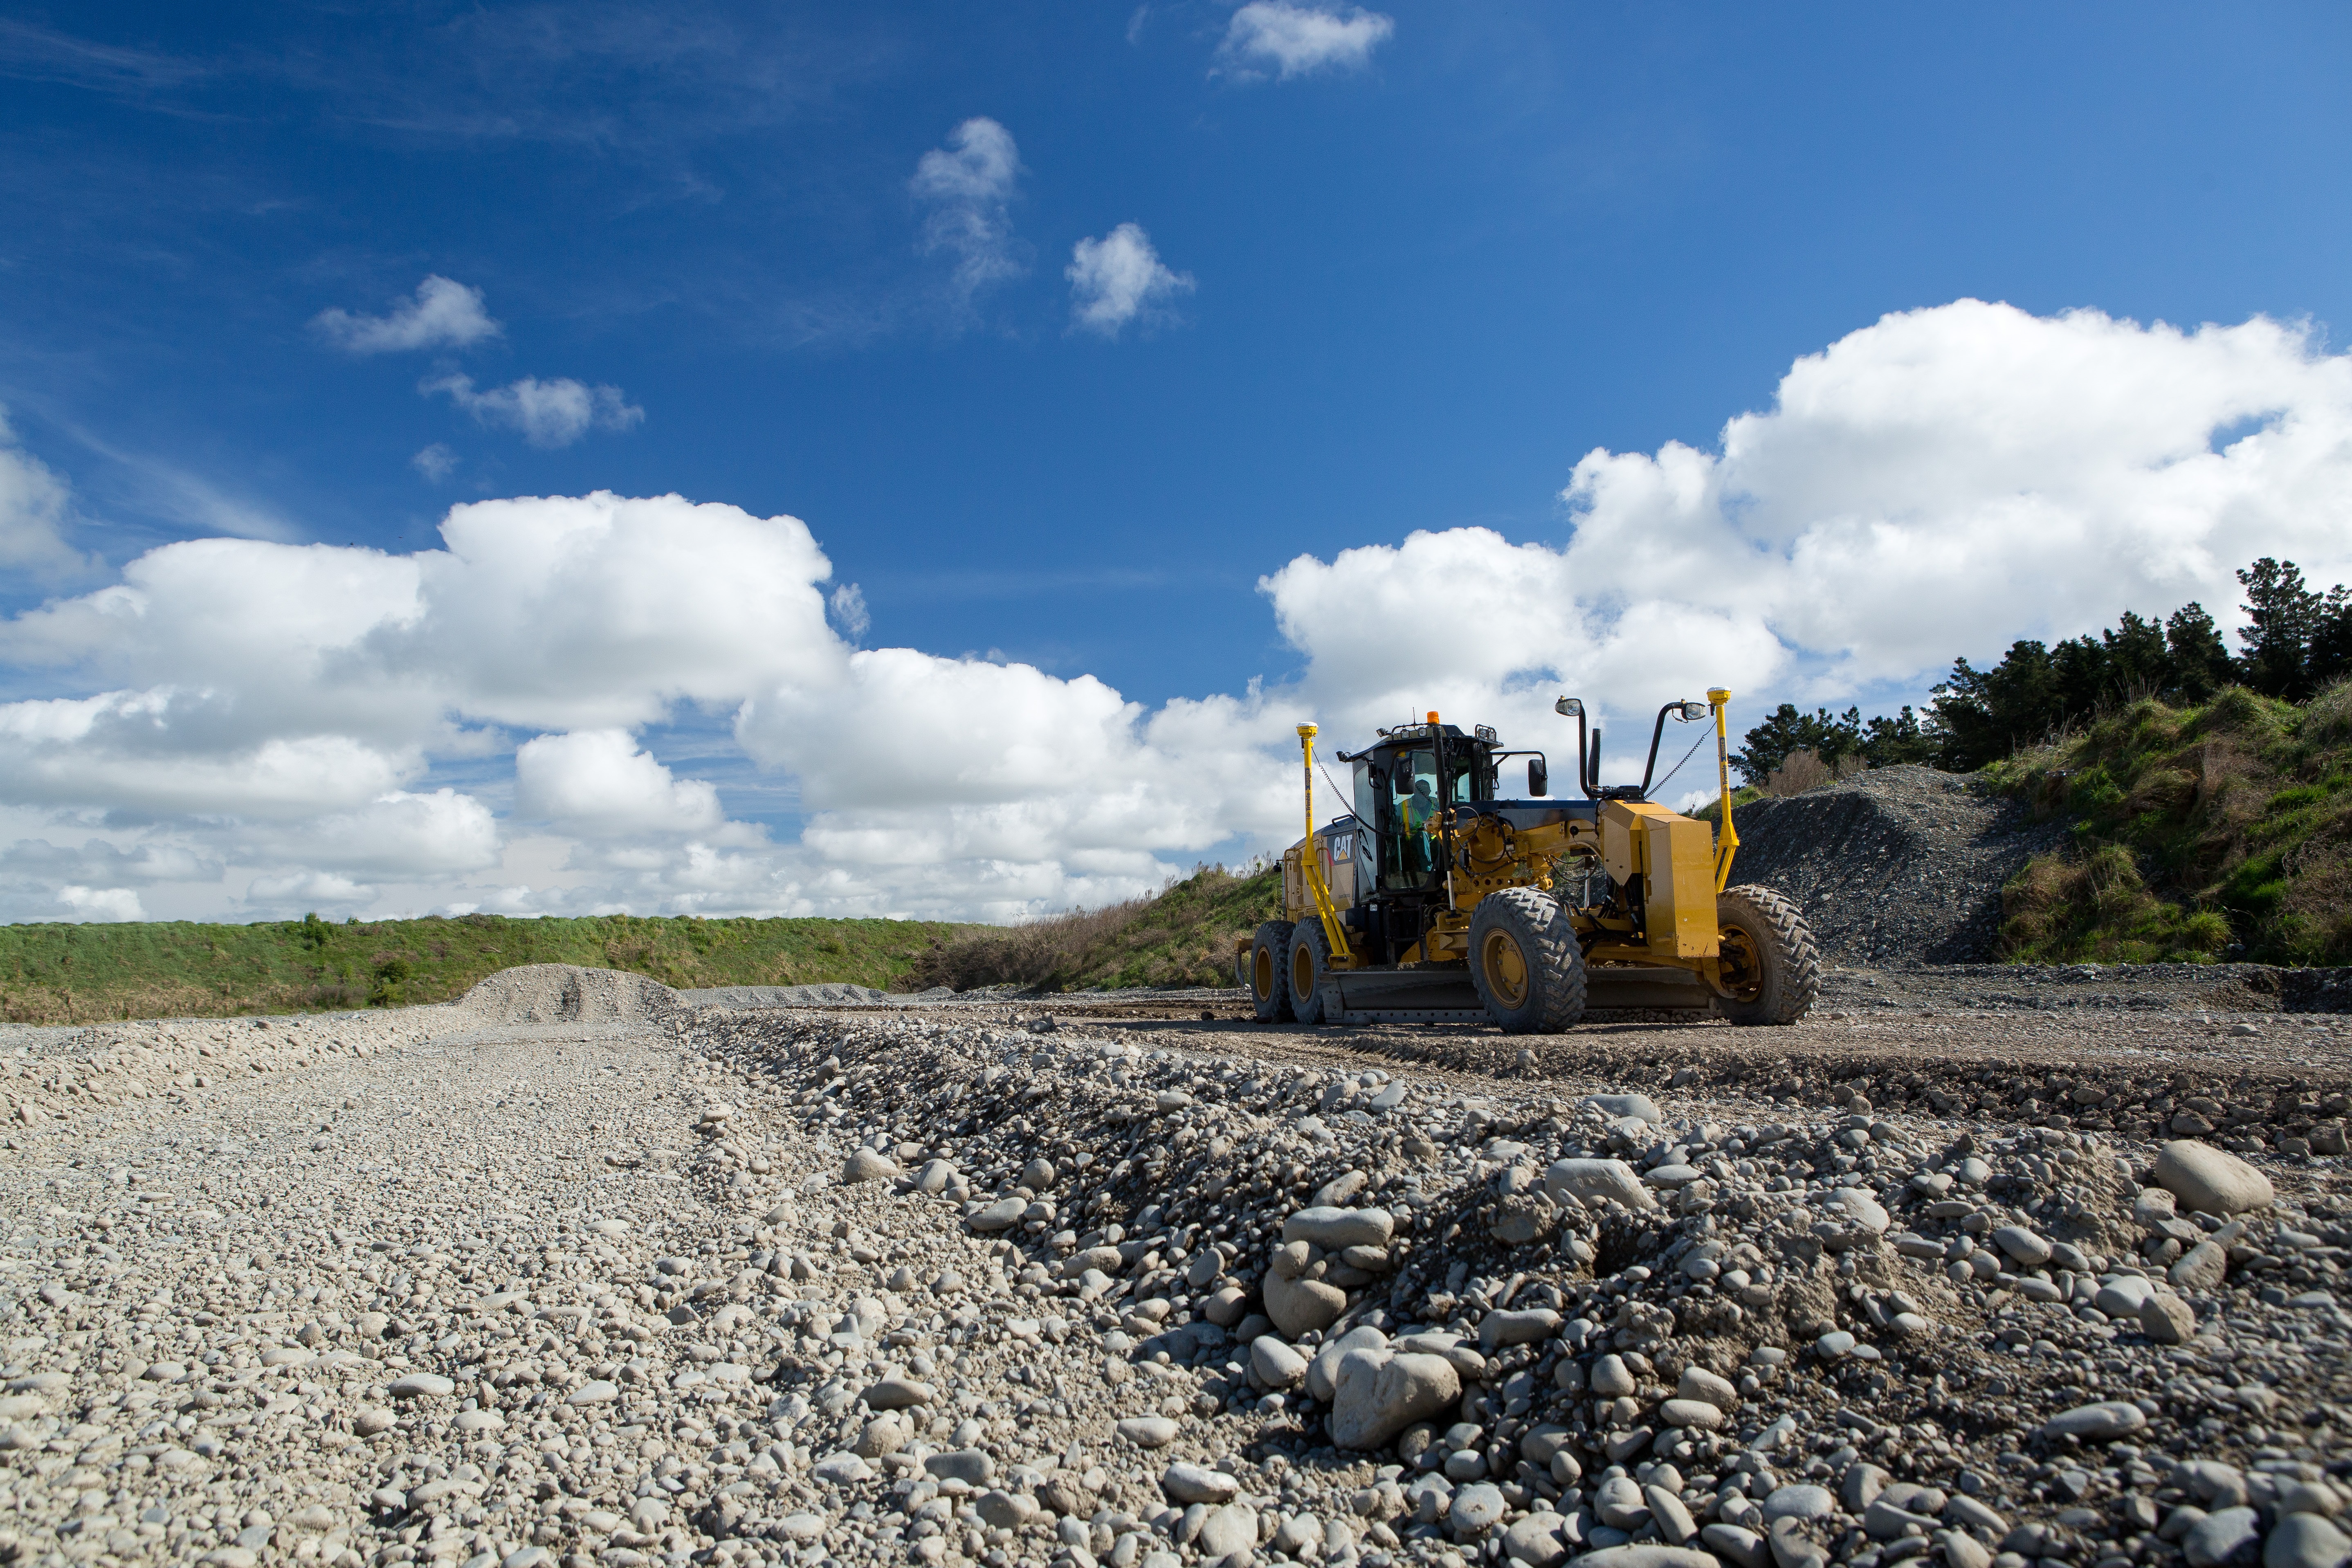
column 1269, row 981
column 1310, row 965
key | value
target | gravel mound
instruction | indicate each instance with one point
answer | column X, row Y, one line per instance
column 1893, row 866
column 565, row 994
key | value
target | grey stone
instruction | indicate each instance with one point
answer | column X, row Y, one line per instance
column 2168, row 1320
column 2097, row 1423
column 1617, row 1106
column 1001, row 1214
column 2024, row 1245
column 1740, row 1547
column 1646, row 1556
column 900, row 1393
column 1228, row 1530
column 1300, row 1306
column 1590, row 1181
column 973, row 1467
column 1000, row 1509
column 1189, row 1483
column 422, row 1385
column 595, row 1390
column 1477, row 1509
column 2203, row 1177
column 1962, row 1550
column 1610, row 1379
column 2306, row 1540
column 1276, row 1364
column 1860, row 1486
column 1698, row 1382
column 1378, row 1394
column 2202, row 1267
column 866, row 1165
column 1520, row 1327
column 1538, row 1541
column 841, row 1470
column 1801, row 1502
column 1694, row 1414
column 2220, row 1536
column 1325, row 1366
column 1618, row 1503
column 1333, row 1228
column 1675, row 1521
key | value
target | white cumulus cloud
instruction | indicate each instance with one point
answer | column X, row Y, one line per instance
column 1291, row 39
column 548, row 413
column 1118, row 279
column 599, row 783
column 443, row 314
column 36, row 514
column 237, row 725
column 967, row 188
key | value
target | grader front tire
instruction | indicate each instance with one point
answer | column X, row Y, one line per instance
column 1525, row 961
column 1269, row 981
column 1771, row 961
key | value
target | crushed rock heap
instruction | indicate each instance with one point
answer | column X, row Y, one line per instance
column 1893, row 866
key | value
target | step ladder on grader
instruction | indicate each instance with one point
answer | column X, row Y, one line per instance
column 1433, row 900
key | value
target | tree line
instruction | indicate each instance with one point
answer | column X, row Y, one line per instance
column 2295, row 642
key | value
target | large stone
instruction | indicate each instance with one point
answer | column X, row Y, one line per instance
column 1001, row 1214
column 1189, row 1483
column 1538, row 1541
column 2023, row 1247
column 1594, row 1181
column 1860, row 1486
column 2306, row 1540
column 900, row 1393
column 1859, row 1209
column 422, row 1385
column 1477, row 1508
column 1699, row 1383
column 974, row 1468
column 2202, row 1267
column 2220, row 1536
column 2099, row 1423
column 1276, row 1364
column 1378, row 1394
column 1003, row 1510
column 2168, row 1320
column 866, row 1165
column 2204, row 1177
column 1333, row 1228
column 1611, row 1378
column 1228, row 1530
column 1799, row 1502
column 1325, row 1367
column 1646, row 1556
column 1740, row 1547
column 2123, row 1296
column 1302, row 1306
column 1521, row 1328
column 1617, row 1106
column 1675, row 1521
column 1693, row 1414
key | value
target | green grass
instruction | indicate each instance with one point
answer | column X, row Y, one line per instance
column 1181, row 936
column 2199, row 833
column 79, row 973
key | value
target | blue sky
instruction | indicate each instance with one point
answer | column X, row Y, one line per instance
column 1410, row 284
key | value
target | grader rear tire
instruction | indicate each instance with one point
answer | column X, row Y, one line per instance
column 1525, row 963
column 1771, row 961
column 1269, row 981
column 1309, row 966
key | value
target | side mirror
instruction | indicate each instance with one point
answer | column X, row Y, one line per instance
column 1539, row 777
column 1570, row 708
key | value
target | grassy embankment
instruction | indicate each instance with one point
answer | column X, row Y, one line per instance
column 79, row 974
column 2218, row 831
column 1181, row 936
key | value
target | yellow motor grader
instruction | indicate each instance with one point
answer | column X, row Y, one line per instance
column 1433, row 900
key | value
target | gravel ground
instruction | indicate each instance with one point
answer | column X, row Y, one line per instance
column 1896, row 865
column 573, row 1273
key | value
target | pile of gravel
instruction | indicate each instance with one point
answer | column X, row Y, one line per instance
column 1894, row 866
column 565, row 993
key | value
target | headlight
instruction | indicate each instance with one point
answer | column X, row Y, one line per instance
column 1570, row 707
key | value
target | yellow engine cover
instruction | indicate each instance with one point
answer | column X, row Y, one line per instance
column 1675, row 858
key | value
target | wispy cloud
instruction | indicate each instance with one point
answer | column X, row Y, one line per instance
column 548, row 413
column 40, row 54
column 435, row 462
column 969, row 187
column 444, row 314
column 1292, row 39
column 1119, row 278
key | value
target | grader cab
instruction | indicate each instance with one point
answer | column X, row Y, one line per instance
column 1434, row 899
